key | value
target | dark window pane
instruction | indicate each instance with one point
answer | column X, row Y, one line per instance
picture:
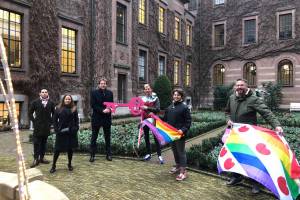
column 162, row 65
column 250, row 31
column 219, row 35
column 121, row 23
column 249, row 73
column 218, row 74
column 142, row 65
column 285, row 26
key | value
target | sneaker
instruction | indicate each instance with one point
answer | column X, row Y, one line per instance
column 174, row 170
column 181, row 176
column 161, row 160
column 234, row 181
column 147, row 157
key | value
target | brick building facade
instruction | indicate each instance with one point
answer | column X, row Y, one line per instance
column 65, row 46
column 256, row 40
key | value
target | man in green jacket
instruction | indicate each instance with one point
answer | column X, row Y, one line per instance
column 242, row 107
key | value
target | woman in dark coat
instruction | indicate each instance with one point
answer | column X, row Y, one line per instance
column 66, row 125
column 178, row 115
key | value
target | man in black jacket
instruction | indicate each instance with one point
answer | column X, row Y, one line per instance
column 41, row 114
column 101, row 117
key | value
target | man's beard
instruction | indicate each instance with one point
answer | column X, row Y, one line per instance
column 241, row 93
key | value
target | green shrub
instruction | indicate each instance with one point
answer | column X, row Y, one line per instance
column 221, row 96
column 208, row 116
column 274, row 95
column 123, row 141
column 205, row 155
column 285, row 119
column 124, row 137
column 163, row 89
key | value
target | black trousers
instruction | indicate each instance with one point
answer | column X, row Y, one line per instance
column 178, row 148
column 39, row 146
column 147, row 142
column 107, row 133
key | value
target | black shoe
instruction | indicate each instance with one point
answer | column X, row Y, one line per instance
column 34, row 163
column 44, row 161
column 234, row 181
column 70, row 168
column 53, row 169
column 92, row 158
column 108, row 158
column 255, row 189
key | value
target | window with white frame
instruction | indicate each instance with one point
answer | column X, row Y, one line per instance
column 250, row 31
column 161, row 65
column 142, row 65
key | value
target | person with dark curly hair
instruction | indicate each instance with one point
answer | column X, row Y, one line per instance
column 178, row 115
column 66, row 126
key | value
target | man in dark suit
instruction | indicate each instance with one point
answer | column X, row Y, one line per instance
column 101, row 117
column 41, row 114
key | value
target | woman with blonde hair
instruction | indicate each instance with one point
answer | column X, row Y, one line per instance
column 66, row 125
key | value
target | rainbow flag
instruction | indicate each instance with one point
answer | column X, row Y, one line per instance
column 263, row 155
column 164, row 132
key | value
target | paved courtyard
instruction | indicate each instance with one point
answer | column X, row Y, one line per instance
column 123, row 178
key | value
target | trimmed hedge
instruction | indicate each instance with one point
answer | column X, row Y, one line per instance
column 125, row 134
column 208, row 116
column 286, row 119
column 205, row 155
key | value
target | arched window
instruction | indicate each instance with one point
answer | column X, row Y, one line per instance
column 249, row 73
column 285, row 73
column 218, row 74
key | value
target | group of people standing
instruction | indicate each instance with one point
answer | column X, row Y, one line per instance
column 242, row 107
column 64, row 118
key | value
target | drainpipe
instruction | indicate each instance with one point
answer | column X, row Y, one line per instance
column 92, row 46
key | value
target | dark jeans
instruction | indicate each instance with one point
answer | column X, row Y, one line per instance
column 56, row 155
column 107, row 133
column 39, row 147
column 147, row 142
column 178, row 148
column 252, row 181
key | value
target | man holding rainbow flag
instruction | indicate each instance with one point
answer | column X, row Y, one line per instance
column 242, row 107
